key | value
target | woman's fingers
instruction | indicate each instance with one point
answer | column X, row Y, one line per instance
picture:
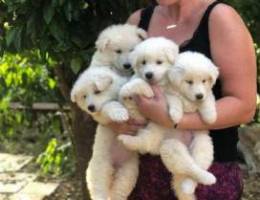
column 157, row 91
column 129, row 127
column 139, row 123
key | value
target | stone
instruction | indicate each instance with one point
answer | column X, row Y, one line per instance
column 249, row 146
column 12, row 163
column 35, row 191
column 13, row 182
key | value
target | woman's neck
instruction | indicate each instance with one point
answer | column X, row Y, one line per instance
column 183, row 11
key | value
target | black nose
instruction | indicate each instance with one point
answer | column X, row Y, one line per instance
column 127, row 66
column 149, row 75
column 91, row 108
column 199, row 96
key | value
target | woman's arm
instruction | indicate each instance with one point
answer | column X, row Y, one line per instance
column 134, row 18
column 232, row 51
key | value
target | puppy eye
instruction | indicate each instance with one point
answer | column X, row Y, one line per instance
column 97, row 92
column 189, row 82
column 204, row 81
column 159, row 62
column 144, row 62
column 118, row 51
column 84, row 96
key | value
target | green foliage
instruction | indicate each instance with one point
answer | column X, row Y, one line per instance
column 27, row 78
column 56, row 159
column 23, row 78
column 64, row 29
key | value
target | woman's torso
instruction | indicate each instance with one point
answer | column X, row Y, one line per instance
column 194, row 36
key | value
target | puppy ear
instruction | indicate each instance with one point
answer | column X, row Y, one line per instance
column 175, row 75
column 172, row 53
column 133, row 58
column 141, row 34
column 102, row 43
column 73, row 95
column 103, row 82
column 214, row 73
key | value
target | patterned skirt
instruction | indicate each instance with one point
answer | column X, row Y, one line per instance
column 154, row 182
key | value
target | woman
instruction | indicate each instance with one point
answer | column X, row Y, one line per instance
column 216, row 30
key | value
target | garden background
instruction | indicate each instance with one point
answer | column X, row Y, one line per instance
column 44, row 45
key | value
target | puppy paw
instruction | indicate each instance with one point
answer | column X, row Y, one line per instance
column 210, row 117
column 118, row 115
column 140, row 87
column 146, row 91
column 128, row 141
column 175, row 115
column 125, row 91
column 210, row 179
column 188, row 186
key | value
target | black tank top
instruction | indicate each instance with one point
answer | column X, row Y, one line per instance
column 224, row 140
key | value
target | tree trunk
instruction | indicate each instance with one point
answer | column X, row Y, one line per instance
column 83, row 131
column 83, row 128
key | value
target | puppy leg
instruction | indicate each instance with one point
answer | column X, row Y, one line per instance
column 115, row 111
column 147, row 140
column 125, row 179
column 136, row 87
column 202, row 152
column 177, row 186
column 208, row 110
column 178, row 160
column 100, row 169
column 175, row 108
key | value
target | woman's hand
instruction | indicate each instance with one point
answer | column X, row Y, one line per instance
column 155, row 108
column 129, row 127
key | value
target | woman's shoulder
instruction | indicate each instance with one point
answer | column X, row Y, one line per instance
column 225, row 17
column 134, row 18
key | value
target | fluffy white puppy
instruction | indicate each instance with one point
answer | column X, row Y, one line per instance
column 192, row 79
column 152, row 60
column 96, row 92
column 114, row 45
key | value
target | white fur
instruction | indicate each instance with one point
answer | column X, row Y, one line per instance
column 168, row 143
column 106, row 179
column 114, row 45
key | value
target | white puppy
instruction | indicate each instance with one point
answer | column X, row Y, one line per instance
column 96, row 92
column 114, row 45
column 192, row 79
column 152, row 60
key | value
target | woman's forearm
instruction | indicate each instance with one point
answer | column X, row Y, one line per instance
column 230, row 112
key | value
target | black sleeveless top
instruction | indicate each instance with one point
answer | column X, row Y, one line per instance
column 224, row 140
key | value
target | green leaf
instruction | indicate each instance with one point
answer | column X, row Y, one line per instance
column 56, row 31
column 48, row 13
column 76, row 64
column 68, row 11
column 10, row 35
column 18, row 40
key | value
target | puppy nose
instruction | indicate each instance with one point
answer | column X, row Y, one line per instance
column 127, row 65
column 91, row 108
column 199, row 96
column 149, row 75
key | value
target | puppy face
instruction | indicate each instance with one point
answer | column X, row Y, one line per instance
column 195, row 87
column 117, row 41
column 92, row 90
column 194, row 76
column 152, row 58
